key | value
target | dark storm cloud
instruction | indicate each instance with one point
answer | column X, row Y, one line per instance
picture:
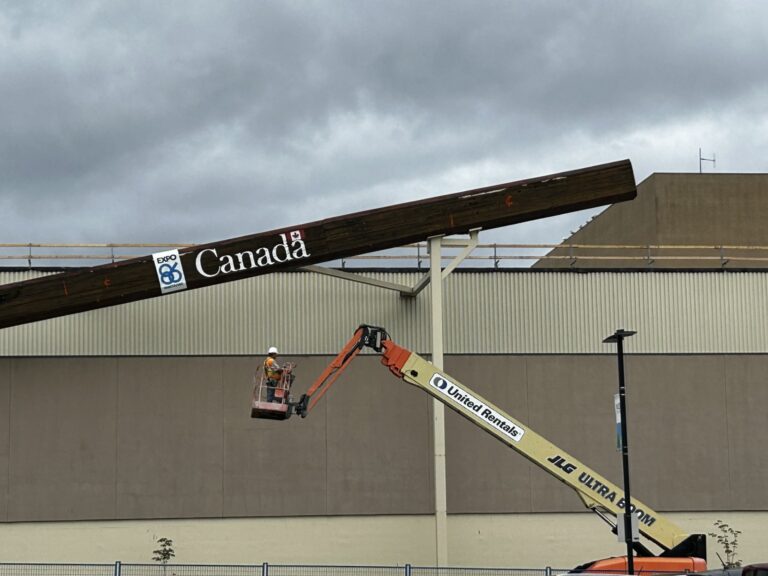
column 197, row 121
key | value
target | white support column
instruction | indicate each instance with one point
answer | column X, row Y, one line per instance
column 438, row 409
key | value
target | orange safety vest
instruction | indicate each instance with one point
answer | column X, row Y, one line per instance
column 271, row 368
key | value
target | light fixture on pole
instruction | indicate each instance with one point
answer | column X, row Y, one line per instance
column 618, row 339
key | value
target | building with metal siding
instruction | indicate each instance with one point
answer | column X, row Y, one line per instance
column 139, row 413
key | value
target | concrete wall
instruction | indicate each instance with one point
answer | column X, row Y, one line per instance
column 679, row 210
column 561, row 541
column 137, row 438
column 721, row 208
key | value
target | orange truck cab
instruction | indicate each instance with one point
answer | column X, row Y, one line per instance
column 645, row 565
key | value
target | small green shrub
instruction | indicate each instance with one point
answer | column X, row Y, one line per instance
column 165, row 552
column 728, row 538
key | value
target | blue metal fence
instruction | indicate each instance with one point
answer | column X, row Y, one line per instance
column 58, row 569
column 121, row 569
column 186, row 570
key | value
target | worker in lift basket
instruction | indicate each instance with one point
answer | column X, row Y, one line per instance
column 272, row 373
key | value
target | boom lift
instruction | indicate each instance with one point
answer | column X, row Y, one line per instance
column 278, row 408
column 681, row 552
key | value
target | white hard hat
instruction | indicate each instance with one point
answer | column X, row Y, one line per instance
column 272, row 350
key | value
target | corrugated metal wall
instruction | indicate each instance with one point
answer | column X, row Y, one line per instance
column 489, row 312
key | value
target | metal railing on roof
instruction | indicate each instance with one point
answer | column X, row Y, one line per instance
column 496, row 255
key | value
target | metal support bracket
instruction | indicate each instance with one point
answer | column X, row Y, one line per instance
column 467, row 244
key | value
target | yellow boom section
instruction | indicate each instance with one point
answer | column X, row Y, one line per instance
column 597, row 492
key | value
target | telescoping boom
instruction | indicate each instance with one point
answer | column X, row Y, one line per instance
column 680, row 551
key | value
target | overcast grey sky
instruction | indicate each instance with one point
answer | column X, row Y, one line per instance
column 195, row 121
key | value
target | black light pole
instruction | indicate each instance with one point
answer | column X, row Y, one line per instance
column 618, row 339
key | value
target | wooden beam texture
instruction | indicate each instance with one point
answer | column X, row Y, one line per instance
column 321, row 241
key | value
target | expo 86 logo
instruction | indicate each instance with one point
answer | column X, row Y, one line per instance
column 170, row 272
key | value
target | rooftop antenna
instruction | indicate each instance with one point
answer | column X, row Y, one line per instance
column 706, row 160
